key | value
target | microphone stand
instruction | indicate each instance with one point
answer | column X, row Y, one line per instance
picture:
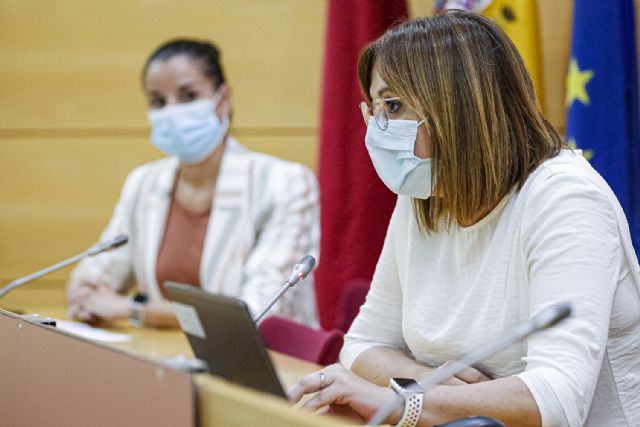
column 275, row 298
column 299, row 272
column 545, row 319
column 93, row 250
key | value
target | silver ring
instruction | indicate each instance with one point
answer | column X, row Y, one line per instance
column 322, row 384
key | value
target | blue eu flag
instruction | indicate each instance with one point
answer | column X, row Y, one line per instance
column 602, row 98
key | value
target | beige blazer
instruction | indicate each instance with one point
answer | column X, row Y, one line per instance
column 264, row 218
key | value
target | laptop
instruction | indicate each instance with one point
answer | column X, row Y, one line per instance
column 222, row 333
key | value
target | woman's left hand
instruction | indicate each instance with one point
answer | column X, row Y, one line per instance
column 105, row 304
column 344, row 393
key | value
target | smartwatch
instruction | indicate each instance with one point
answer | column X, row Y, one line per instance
column 138, row 309
column 413, row 394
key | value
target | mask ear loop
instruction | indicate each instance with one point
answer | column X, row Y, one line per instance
column 217, row 97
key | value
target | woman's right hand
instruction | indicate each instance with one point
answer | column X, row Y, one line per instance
column 469, row 375
column 379, row 364
column 343, row 393
column 77, row 292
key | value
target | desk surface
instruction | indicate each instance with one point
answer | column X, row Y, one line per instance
column 158, row 343
column 219, row 402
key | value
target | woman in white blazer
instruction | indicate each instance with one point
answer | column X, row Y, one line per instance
column 213, row 214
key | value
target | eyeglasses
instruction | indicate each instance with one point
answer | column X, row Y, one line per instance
column 385, row 109
column 380, row 110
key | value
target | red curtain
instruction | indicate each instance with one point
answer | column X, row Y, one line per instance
column 355, row 204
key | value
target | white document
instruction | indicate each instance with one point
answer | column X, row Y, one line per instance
column 86, row 331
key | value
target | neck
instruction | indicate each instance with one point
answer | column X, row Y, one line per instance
column 204, row 174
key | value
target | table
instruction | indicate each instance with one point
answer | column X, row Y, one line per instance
column 219, row 402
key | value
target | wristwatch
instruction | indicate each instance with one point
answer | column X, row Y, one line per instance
column 138, row 309
column 413, row 394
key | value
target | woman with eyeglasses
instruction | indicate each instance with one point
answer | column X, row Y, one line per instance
column 213, row 214
column 495, row 220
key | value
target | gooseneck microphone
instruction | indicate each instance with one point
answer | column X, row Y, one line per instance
column 544, row 319
column 100, row 247
column 298, row 273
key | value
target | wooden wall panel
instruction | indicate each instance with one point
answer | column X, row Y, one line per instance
column 76, row 64
column 72, row 115
column 58, row 193
column 73, row 118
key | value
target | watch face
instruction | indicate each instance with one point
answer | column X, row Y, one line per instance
column 140, row 298
column 404, row 382
column 406, row 386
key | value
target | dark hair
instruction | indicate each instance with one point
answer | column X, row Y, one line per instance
column 204, row 52
column 461, row 72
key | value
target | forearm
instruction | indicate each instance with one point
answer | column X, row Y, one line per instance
column 379, row 364
column 160, row 314
column 507, row 399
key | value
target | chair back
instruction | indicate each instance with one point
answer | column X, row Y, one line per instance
column 297, row 340
column 352, row 297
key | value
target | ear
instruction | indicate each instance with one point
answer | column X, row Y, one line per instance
column 225, row 104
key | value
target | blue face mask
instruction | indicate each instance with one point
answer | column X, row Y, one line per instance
column 191, row 131
column 391, row 152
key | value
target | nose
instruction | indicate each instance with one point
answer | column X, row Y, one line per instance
column 171, row 100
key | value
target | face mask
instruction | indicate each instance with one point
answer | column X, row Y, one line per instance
column 391, row 153
column 191, row 131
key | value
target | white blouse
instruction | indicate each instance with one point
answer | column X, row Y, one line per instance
column 264, row 219
column 561, row 238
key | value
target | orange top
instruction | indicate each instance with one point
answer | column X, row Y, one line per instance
column 181, row 249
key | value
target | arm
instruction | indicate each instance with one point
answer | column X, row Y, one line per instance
column 571, row 246
column 96, row 288
column 289, row 231
column 379, row 364
column 112, row 270
column 374, row 347
column 507, row 399
column 103, row 304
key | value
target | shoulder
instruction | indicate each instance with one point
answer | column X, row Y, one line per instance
column 566, row 194
column 273, row 171
column 156, row 174
column 565, row 172
column 566, row 178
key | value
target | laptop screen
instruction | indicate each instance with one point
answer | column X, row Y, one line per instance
column 221, row 332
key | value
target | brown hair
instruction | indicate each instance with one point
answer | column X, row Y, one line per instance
column 462, row 72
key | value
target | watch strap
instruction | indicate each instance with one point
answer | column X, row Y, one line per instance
column 412, row 410
column 138, row 310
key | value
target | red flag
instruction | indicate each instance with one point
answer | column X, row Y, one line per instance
column 355, row 204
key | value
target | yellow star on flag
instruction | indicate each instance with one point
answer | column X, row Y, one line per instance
column 576, row 84
column 587, row 154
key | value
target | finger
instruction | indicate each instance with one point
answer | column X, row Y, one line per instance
column 308, row 384
column 322, row 398
column 466, row 375
column 454, row 381
column 472, row 376
column 84, row 315
column 80, row 294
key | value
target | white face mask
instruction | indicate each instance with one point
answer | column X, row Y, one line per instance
column 190, row 131
column 391, row 152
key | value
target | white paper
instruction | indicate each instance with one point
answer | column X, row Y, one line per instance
column 188, row 319
column 87, row 331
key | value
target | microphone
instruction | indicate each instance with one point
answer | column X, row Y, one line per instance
column 100, row 247
column 546, row 318
column 298, row 273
